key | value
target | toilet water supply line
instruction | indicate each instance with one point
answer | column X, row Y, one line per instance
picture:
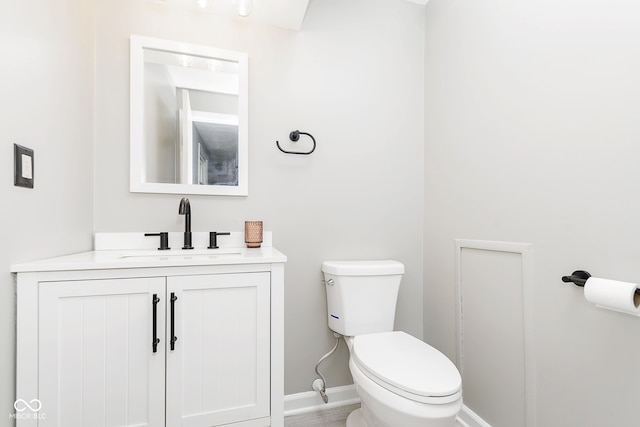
column 320, row 384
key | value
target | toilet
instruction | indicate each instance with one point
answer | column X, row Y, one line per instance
column 401, row 380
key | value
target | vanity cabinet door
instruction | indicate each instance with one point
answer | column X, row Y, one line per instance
column 97, row 366
column 218, row 369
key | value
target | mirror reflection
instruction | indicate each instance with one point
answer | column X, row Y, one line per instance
column 193, row 132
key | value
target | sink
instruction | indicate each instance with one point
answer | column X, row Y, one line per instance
column 180, row 254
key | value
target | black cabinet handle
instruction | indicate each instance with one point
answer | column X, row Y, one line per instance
column 173, row 325
column 154, row 344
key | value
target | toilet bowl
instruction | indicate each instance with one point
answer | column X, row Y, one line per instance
column 401, row 380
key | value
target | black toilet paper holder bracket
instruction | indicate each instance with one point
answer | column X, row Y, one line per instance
column 578, row 278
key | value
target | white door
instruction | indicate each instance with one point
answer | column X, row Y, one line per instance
column 97, row 361
column 218, row 368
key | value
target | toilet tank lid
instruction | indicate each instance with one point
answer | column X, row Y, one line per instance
column 363, row 268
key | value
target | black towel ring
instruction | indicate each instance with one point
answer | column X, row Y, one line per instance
column 295, row 136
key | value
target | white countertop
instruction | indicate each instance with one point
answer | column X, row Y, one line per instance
column 124, row 255
column 95, row 260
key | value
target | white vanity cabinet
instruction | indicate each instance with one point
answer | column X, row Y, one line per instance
column 191, row 342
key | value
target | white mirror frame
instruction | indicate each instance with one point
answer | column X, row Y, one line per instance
column 137, row 177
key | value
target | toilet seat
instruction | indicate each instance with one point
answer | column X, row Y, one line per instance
column 407, row 366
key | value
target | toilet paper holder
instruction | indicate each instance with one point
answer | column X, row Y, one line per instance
column 579, row 278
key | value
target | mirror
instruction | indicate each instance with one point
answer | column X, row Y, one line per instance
column 189, row 119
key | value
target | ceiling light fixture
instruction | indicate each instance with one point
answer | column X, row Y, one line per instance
column 243, row 7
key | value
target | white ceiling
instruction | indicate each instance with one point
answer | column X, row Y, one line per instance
column 287, row 14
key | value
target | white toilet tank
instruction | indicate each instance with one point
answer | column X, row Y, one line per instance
column 362, row 295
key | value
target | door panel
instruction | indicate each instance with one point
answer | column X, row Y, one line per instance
column 97, row 366
column 218, row 372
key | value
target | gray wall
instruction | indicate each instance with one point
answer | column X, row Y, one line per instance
column 353, row 77
column 531, row 136
column 46, row 69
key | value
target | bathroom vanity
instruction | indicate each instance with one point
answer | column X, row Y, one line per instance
column 143, row 337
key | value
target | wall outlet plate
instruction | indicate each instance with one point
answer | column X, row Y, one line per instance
column 22, row 166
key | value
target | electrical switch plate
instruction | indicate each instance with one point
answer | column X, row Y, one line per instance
column 22, row 166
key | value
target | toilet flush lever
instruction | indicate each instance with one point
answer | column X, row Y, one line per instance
column 329, row 282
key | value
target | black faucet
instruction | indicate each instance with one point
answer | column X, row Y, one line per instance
column 185, row 209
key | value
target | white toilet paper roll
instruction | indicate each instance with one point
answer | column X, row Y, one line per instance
column 613, row 295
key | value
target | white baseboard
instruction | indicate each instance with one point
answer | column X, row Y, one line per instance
column 310, row 401
column 468, row 418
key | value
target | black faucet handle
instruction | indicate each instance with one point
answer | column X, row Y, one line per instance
column 164, row 239
column 213, row 238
